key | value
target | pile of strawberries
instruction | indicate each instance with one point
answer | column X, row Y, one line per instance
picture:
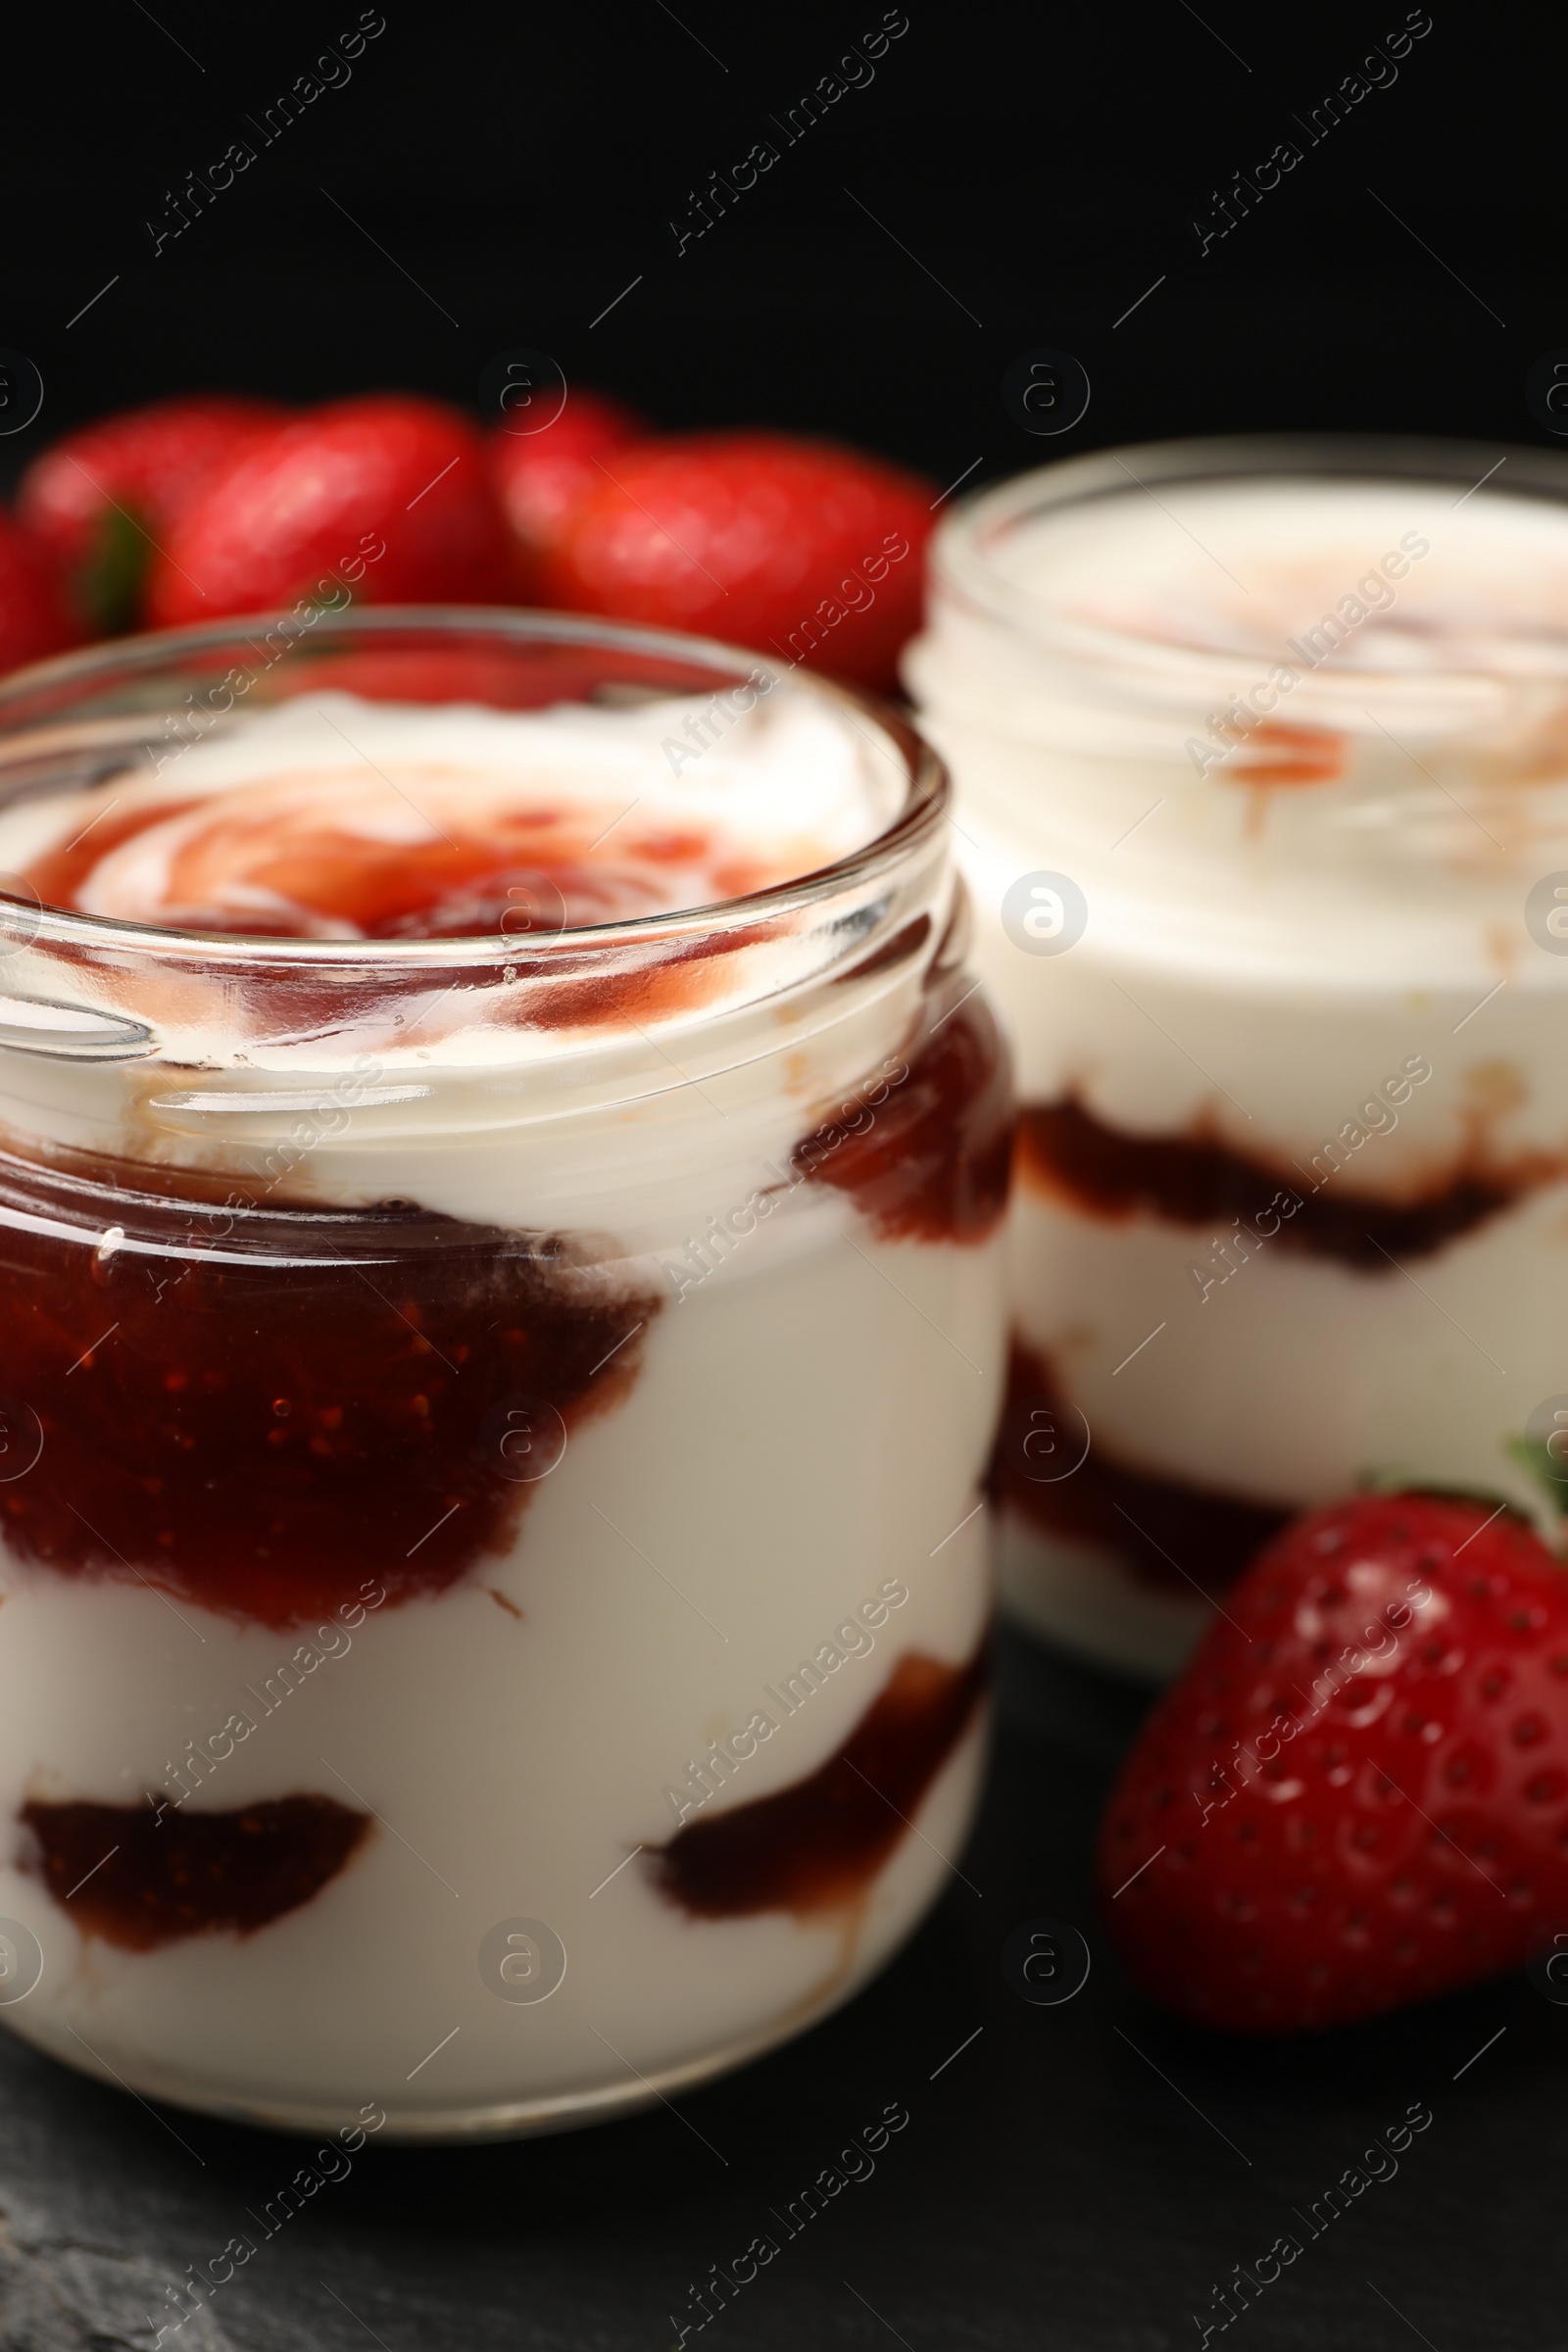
column 195, row 510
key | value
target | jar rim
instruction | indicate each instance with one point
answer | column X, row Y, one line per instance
column 925, row 805
column 961, row 552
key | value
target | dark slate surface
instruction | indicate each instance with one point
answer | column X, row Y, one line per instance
column 1078, row 2177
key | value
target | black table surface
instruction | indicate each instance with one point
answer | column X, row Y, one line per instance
column 1080, row 2175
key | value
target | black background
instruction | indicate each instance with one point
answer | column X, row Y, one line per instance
column 1043, row 165
column 1034, row 172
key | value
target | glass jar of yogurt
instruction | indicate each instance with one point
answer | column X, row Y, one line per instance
column 502, row 1318
column 1262, row 750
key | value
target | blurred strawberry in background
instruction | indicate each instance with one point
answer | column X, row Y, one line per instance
column 799, row 548
column 542, row 476
column 35, row 617
column 390, row 491
column 103, row 500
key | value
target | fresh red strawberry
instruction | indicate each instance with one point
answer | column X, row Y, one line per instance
column 1357, row 1793
column 389, row 494
column 35, row 620
column 796, row 547
column 102, row 499
column 540, row 477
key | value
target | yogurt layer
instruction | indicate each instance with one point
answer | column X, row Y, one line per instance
column 341, row 819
